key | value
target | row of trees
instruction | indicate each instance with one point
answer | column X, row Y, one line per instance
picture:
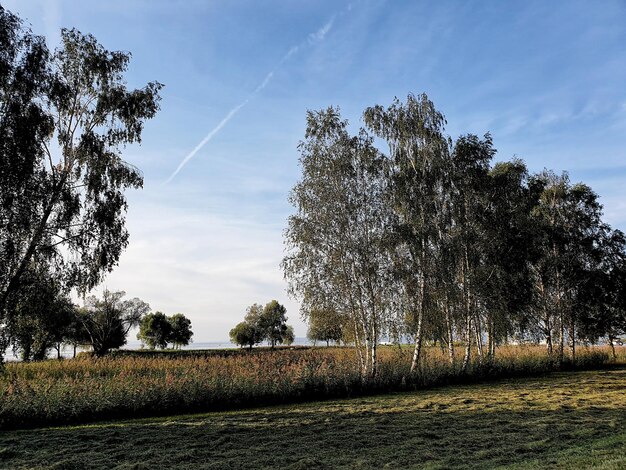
column 157, row 330
column 45, row 318
column 432, row 240
column 65, row 117
column 260, row 324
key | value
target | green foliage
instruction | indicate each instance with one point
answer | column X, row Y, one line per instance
column 245, row 334
column 181, row 330
column 108, row 320
column 337, row 239
column 267, row 323
column 155, row 330
column 288, row 336
column 325, row 325
column 41, row 317
column 433, row 241
column 66, row 117
column 273, row 323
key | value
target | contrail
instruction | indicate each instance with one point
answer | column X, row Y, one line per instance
column 311, row 40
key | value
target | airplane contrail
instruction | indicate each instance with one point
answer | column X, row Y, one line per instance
column 311, row 40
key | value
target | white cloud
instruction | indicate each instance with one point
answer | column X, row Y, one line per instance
column 208, row 267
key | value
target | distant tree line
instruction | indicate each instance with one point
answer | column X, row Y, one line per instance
column 46, row 319
column 432, row 240
column 260, row 324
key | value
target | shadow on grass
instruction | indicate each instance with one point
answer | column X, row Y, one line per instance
column 561, row 421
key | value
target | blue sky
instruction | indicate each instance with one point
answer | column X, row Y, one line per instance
column 547, row 79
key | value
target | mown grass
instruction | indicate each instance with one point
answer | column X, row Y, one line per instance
column 562, row 420
column 81, row 390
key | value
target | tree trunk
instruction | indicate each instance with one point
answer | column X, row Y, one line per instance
column 612, row 344
column 561, row 337
column 374, row 368
column 479, row 339
column 468, row 342
column 417, row 350
column 449, row 333
column 572, row 335
column 559, row 307
column 548, row 332
column 491, row 340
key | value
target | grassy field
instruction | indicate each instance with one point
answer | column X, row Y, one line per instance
column 561, row 420
column 82, row 390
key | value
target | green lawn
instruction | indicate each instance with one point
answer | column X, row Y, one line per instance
column 563, row 420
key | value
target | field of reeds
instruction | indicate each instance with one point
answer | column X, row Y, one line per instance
column 86, row 389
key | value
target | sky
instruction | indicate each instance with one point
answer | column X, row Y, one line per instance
column 546, row 79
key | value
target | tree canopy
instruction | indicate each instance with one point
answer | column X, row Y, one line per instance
column 260, row 324
column 109, row 319
column 65, row 117
column 432, row 240
column 158, row 330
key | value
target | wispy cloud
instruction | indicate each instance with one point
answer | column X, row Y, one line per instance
column 210, row 135
column 320, row 34
column 312, row 39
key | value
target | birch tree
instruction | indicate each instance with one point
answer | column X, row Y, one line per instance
column 336, row 240
column 418, row 153
column 569, row 221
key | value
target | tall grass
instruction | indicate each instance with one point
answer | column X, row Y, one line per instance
column 86, row 388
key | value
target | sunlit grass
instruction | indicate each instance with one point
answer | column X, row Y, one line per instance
column 563, row 420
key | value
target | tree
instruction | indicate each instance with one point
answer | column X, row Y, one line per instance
column 263, row 324
column 75, row 334
column 570, row 231
column 325, row 325
column 506, row 288
column 245, row 334
column 249, row 332
column 41, row 316
column 65, row 118
column 273, row 323
column 289, row 336
column 155, row 330
column 418, row 153
column 181, row 330
column 432, row 241
column 337, row 239
column 108, row 320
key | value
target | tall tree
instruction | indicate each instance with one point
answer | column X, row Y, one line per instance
column 418, row 150
column 64, row 119
column 469, row 172
column 570, row 228
column 504, row 276
column 337, row 238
